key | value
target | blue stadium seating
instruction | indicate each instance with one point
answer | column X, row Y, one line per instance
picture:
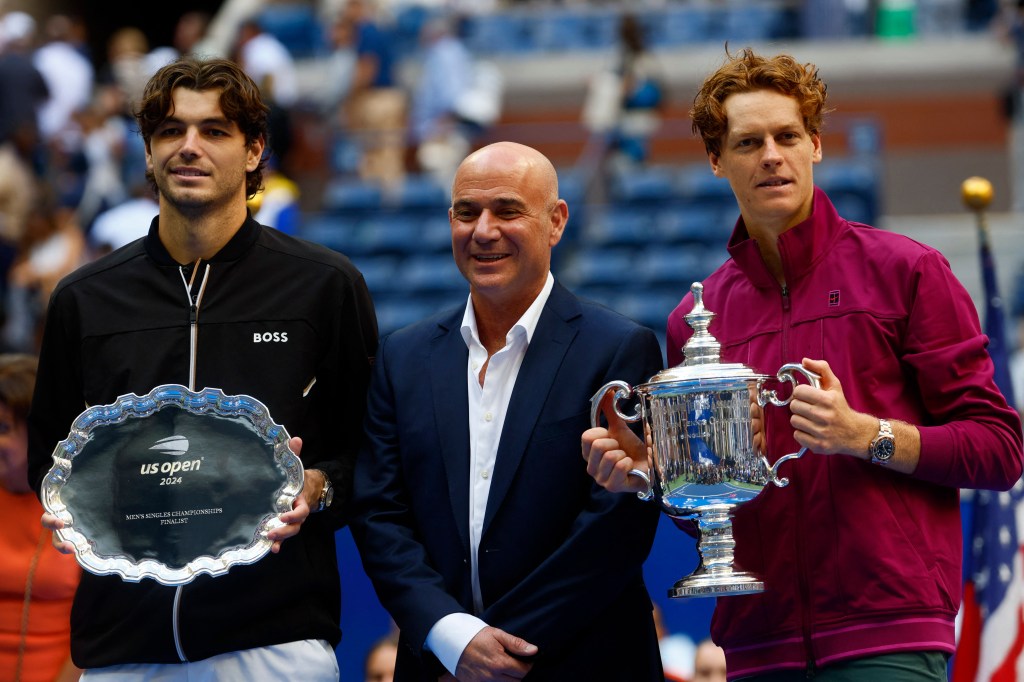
column 675, row 26
column 597, row 267
column 431, row 273
column 296, row 26
column 694, row 224
column 673, row 265
column 619, row 225
column 648, row 183
column 349, row 194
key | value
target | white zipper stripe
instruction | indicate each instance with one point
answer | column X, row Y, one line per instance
column 193, row 309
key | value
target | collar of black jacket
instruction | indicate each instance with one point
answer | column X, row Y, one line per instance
column 244, row 238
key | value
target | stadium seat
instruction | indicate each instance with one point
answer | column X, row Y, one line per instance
column 379, row 272
column 397, row 312
column 618, row 226
column 672, row 266
column 500, row 33
column 675, row 26
column 296, row 26
column 431, row 273
column 595, row 267
column 644, row 184
column 560, row 30
column 335, row 232
column 422, row 191
column 348, row 194
column 697, row 224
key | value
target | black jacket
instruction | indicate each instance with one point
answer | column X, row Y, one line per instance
column 286, row 321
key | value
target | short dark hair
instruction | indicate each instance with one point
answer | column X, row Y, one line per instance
column 240, row 100
column 17, row 381
column 750, row 72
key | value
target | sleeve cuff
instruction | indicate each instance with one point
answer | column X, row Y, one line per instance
column 451, row 635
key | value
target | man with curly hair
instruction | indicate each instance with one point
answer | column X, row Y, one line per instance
column 211, row 298
column 861, row 554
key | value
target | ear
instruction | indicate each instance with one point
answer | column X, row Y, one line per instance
column 559, row 219
column 255, row 154
column 716, row 167
column 816, row 141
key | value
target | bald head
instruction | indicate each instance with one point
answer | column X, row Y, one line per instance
column 517, row 160
column 505, row 219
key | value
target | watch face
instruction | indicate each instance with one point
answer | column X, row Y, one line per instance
column 884, row 448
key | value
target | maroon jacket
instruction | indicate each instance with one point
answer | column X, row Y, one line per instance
column 857, row 560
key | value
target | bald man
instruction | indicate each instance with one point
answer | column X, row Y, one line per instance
column 493, row 550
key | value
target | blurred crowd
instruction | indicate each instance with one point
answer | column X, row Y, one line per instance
column 73, row 170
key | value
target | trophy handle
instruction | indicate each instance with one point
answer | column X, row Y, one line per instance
column 647, row 495
column 785, row 373
column 622, row 392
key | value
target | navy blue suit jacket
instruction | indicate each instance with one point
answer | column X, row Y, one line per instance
column 560, row 559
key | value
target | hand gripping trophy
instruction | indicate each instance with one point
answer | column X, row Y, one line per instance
column 697, row 423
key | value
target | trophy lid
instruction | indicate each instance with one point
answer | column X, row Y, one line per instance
column 702, row 352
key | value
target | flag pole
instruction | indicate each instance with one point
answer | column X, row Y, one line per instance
column 987, row 648
column 977, row 195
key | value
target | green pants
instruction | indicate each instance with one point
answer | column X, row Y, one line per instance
column 915, row 666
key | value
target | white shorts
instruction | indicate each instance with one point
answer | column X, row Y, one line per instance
column 311, row 660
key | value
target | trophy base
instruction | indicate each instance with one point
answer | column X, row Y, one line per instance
column 708, row 585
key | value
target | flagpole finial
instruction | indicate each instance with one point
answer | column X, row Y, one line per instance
column 976, row 192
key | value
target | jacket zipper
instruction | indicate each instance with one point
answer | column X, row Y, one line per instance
column 194, row 301
column 804, row 588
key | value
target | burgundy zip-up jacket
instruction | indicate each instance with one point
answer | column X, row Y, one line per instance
column 857, row 560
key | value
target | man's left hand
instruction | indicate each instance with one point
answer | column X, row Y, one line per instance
column 312, row 482
column 822, row 419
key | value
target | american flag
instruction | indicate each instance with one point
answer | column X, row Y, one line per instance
column 991, row 639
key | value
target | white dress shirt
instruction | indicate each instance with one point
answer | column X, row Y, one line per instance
column 488, row 403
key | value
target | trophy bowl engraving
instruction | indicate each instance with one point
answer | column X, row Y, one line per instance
column 696, row 419
column 172, row 484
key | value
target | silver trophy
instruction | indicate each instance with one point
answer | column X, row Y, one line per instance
column 697, row 422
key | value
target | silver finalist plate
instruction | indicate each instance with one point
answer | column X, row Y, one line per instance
column 172, row 484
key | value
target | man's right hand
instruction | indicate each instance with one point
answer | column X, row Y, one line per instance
column 494, row 655
column 611, row 453
column 52, row 523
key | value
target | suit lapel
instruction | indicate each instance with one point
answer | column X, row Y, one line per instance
column 551, row 340
column 448, row 358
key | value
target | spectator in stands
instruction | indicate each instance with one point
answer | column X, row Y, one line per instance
column 189, row 32
column 494, row 595
column 624, row 102
column 270, row 64
column 709, row 663
column 52, row 246
column 439, row 137
column 642, row 93
column 36, row 583
column 128, row 64
column 377, row 104
column 23, row 89
column 865, row 544
column 69, row 77
column 125, row 222
column 340, row 67
column 380, row 660
column 677, row 650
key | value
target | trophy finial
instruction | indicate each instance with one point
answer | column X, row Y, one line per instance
column 702, row 348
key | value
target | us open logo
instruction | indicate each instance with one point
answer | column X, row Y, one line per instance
column 175, row 446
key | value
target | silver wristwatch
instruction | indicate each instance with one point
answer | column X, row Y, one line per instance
column 326, row 493
column 883, row 447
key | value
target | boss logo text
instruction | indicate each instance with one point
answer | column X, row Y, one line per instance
column 269, row 337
